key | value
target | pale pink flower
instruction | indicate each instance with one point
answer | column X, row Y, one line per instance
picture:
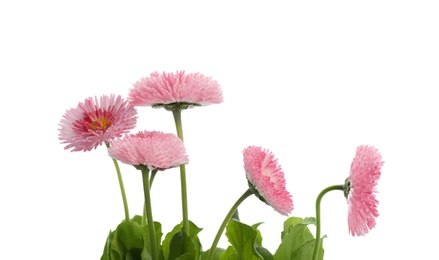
column 266, row 179
column 360, row 189
column 154, row 149
column 193, row 89
column 96, row 121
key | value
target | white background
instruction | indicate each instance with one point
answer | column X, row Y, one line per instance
column 309, row 80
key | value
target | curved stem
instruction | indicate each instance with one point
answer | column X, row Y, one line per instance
column 122, row 188
column 318, row 200
column 148, row 208
column 178, row 124
column 225, row 221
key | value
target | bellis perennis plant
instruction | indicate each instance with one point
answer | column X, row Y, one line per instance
column 109, row 119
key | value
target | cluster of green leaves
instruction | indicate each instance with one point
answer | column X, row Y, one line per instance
column 130, row 241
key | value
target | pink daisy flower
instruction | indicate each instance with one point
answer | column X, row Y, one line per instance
column 96, row 121
column 157, row 150
column 193, row 89
column 360, row 190
column 266, row 179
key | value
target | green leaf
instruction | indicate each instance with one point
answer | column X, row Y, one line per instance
column 309, row 220
column 235, row 215
column 181, row 245
column 130, row 240
column 258, row 241
column 146, row 240
column 129, row 235
column 243, row 239
column 265, row 253
column 291, row 221
column 297, row 240
column 134, row 254
column 216, row 255
column 167, row 241
column 307, row 250
column 125, row 241
column 194, row 230
column 107, row 247
column 178, row 245
column 229, row 254
column 137, row 219
column 187, row 256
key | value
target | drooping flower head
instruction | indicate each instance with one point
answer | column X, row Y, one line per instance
column 154, row 149
column 266, row 179
column 175, row 91
column 360, row 189
column 96, row 121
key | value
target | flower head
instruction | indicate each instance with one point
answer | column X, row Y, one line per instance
column 96, row 121
column 157, row 150
column 360, row 190
column 266, row 179
column 179, row 89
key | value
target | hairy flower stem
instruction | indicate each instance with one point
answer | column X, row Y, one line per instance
column 318, row 200
column 122, row 188
column 177, row 118
column 225, row 221
column 148, row 208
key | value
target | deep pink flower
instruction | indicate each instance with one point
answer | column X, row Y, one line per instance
column 360, row 189
column 266, row 179
column 157, row 150
column 193, row 89
column 94, row 122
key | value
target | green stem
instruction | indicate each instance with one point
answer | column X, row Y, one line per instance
column 148, row 208
column 144, row 221
column 122, row 188
column 246, row 194
column 178, row 123
column 319, row 199
column 151, row 179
